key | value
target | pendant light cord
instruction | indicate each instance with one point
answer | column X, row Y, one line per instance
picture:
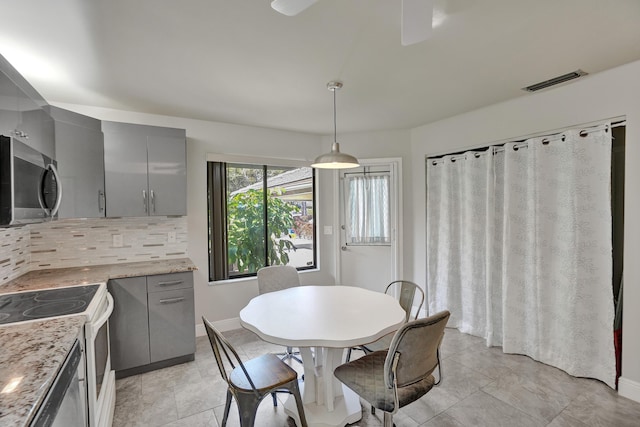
column 335, row 126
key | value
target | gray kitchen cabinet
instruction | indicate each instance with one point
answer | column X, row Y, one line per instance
column 128, row 324
column 22, row 115
column 80, row 155
column 9, row 113
column 153, row 322
column 171, row 317
column 145, row 170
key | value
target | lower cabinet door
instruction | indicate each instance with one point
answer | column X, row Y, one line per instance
column 128, row 324
column 171, row 324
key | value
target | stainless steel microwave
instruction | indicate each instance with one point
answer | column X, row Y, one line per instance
column 30, row 189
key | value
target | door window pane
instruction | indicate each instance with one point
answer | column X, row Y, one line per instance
column 367, row 209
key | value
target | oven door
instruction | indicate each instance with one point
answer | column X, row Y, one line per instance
column 64, row 405
column 100, row 377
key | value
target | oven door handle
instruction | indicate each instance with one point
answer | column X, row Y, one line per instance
column 97, row 324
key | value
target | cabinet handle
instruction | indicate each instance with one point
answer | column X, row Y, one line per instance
column 175, row 282
column 171, row 300
column 100, row 200
column 144, row 200
column 153, row 201
column 20, row 134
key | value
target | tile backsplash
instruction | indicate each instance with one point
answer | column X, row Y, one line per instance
column 80, row 242
column 14, row 252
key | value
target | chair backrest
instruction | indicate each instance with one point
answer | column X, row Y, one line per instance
column 413, row 352
column 277, row 277
column 226, row 356
column 410, row 296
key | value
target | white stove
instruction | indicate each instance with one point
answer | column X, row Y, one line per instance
column 96, row 304
column 47, row 303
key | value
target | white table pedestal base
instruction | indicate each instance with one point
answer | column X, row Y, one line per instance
column 346, row 410
column 327, row 402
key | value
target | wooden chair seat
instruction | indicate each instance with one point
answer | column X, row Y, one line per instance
column 266, row 372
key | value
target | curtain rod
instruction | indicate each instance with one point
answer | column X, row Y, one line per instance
column 521, row 143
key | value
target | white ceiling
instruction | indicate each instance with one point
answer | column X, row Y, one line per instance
column 239, row 61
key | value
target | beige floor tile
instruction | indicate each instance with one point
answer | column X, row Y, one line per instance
column 605, row 408
column 185, row 373
column 481, row 387
column 458, row 381
column 533, row 398
column 432, row 404
column 564, row 420
column 153, row 409
column 443, row 420
column 201, row 419
column 481, row 409
column 483, row 360
column 199, row 396
column 267, row 415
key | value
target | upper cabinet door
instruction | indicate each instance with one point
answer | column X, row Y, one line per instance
column 22, row 111
column 125, row 174
column 80, row 157
column 9, row 112
column 145, row 170
column 167, row 175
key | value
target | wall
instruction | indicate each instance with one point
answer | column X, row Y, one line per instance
column 610, row 94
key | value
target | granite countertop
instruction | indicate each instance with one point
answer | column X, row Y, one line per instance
column 31, row 356
column 32, row 353
column 61, row 277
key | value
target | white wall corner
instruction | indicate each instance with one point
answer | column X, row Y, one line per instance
column 629, row 389
column 221, row 325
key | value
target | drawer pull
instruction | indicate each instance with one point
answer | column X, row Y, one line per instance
column 171, row 300
column 175, row 282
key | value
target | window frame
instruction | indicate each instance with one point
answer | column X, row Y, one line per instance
column 217, row 236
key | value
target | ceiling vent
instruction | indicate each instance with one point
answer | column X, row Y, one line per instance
column 555, row 81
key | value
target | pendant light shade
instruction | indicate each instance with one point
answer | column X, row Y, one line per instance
column 335, row 159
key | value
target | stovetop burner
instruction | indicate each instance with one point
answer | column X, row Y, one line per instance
column 23, row 306
column 62, row 294
column 57, row 308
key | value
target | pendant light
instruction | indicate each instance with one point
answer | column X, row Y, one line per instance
column 335, row 159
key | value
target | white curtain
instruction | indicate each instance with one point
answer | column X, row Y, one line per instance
column 519, row 248
column 367, row 209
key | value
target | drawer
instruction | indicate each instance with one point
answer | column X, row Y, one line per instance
column 166, row 282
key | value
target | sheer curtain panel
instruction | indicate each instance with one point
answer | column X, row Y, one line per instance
column 519, row 248
column 367, row 209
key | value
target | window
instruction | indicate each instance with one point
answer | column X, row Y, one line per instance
column 259, row 215
column 367, row 208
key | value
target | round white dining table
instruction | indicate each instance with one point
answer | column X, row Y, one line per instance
column 327, row 319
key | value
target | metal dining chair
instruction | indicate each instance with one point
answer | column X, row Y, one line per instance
column 411, row 298
column 393, row 378
column 249, row 382
column 275, row 278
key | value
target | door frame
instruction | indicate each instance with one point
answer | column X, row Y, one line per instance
column 395, row 210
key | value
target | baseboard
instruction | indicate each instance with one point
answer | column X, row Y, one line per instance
column 629, row 389
column 221, row 325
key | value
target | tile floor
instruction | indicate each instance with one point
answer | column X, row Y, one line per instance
column 481, row 387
